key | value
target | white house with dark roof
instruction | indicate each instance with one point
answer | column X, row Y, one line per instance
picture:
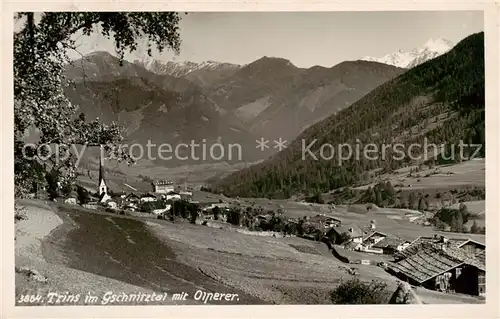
column 374, row 238
column 148, row 198
column 173, row 196
column 353, row 231
column 163, row 187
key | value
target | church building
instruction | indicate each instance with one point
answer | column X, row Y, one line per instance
column 102, row 187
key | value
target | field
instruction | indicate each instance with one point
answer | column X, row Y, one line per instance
column 279, row 270
column 477, row 209
column 391, row 220
column 474, row 207
column 468, row 173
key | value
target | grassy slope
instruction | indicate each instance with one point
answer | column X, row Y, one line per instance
column 31, row 251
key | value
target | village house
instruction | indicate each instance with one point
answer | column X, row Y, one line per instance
column 373, row 238
column 353, row 232
column 210, row 216
column 173, row 196
column 352, row 245
column 403, row 245
column 391, row 245
column 207, row 211
column 148, row 198
column 381, row 243
column 163, row 187
column 132, row 198
column 91, row 205
column 72, row 198
column 122, row 202
column 323, row 221
column 186, row 194
column 369, row 242
column 221, row 206
column 112, row 204
column 120, row 195
column 440, row 266
column 161, row 211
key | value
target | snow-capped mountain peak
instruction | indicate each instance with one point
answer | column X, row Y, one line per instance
column 403, row 59
column 438, row 45
column 180, row 68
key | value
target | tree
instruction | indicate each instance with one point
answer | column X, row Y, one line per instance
column 316, row 198
column 457, row 223
column 460, row 222
column 464, row 211
column 355, row 291
column 474, row 229
column 412, row 201
column 234, row 216
column 389, row 189
column 343, row 238
column 216, row 212
column 300, row 227
column 378, row 197
column 193, row 211
column 41, row 53
column 390, row 193
column 149, row 207
column 246, row 219
column 439, row 224
column 370, row 195
column 422, row 204
column 52, row 178
column 172, row 213
column 290, row 228
column 276, row 223
column 83, row 195
column 397, row 202
column 66, row 189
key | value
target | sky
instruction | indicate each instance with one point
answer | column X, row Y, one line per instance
column 305, row 38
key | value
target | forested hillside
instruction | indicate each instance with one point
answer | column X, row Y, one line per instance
column 441, row 100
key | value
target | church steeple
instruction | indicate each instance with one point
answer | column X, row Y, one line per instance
column 102, row 187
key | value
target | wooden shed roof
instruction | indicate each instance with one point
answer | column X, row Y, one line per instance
column 430, row 261
column 417, row 243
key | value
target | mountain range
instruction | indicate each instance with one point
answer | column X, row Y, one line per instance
column 166, row 102
column 202, row 74
column 151, row 107
column 408, row 59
